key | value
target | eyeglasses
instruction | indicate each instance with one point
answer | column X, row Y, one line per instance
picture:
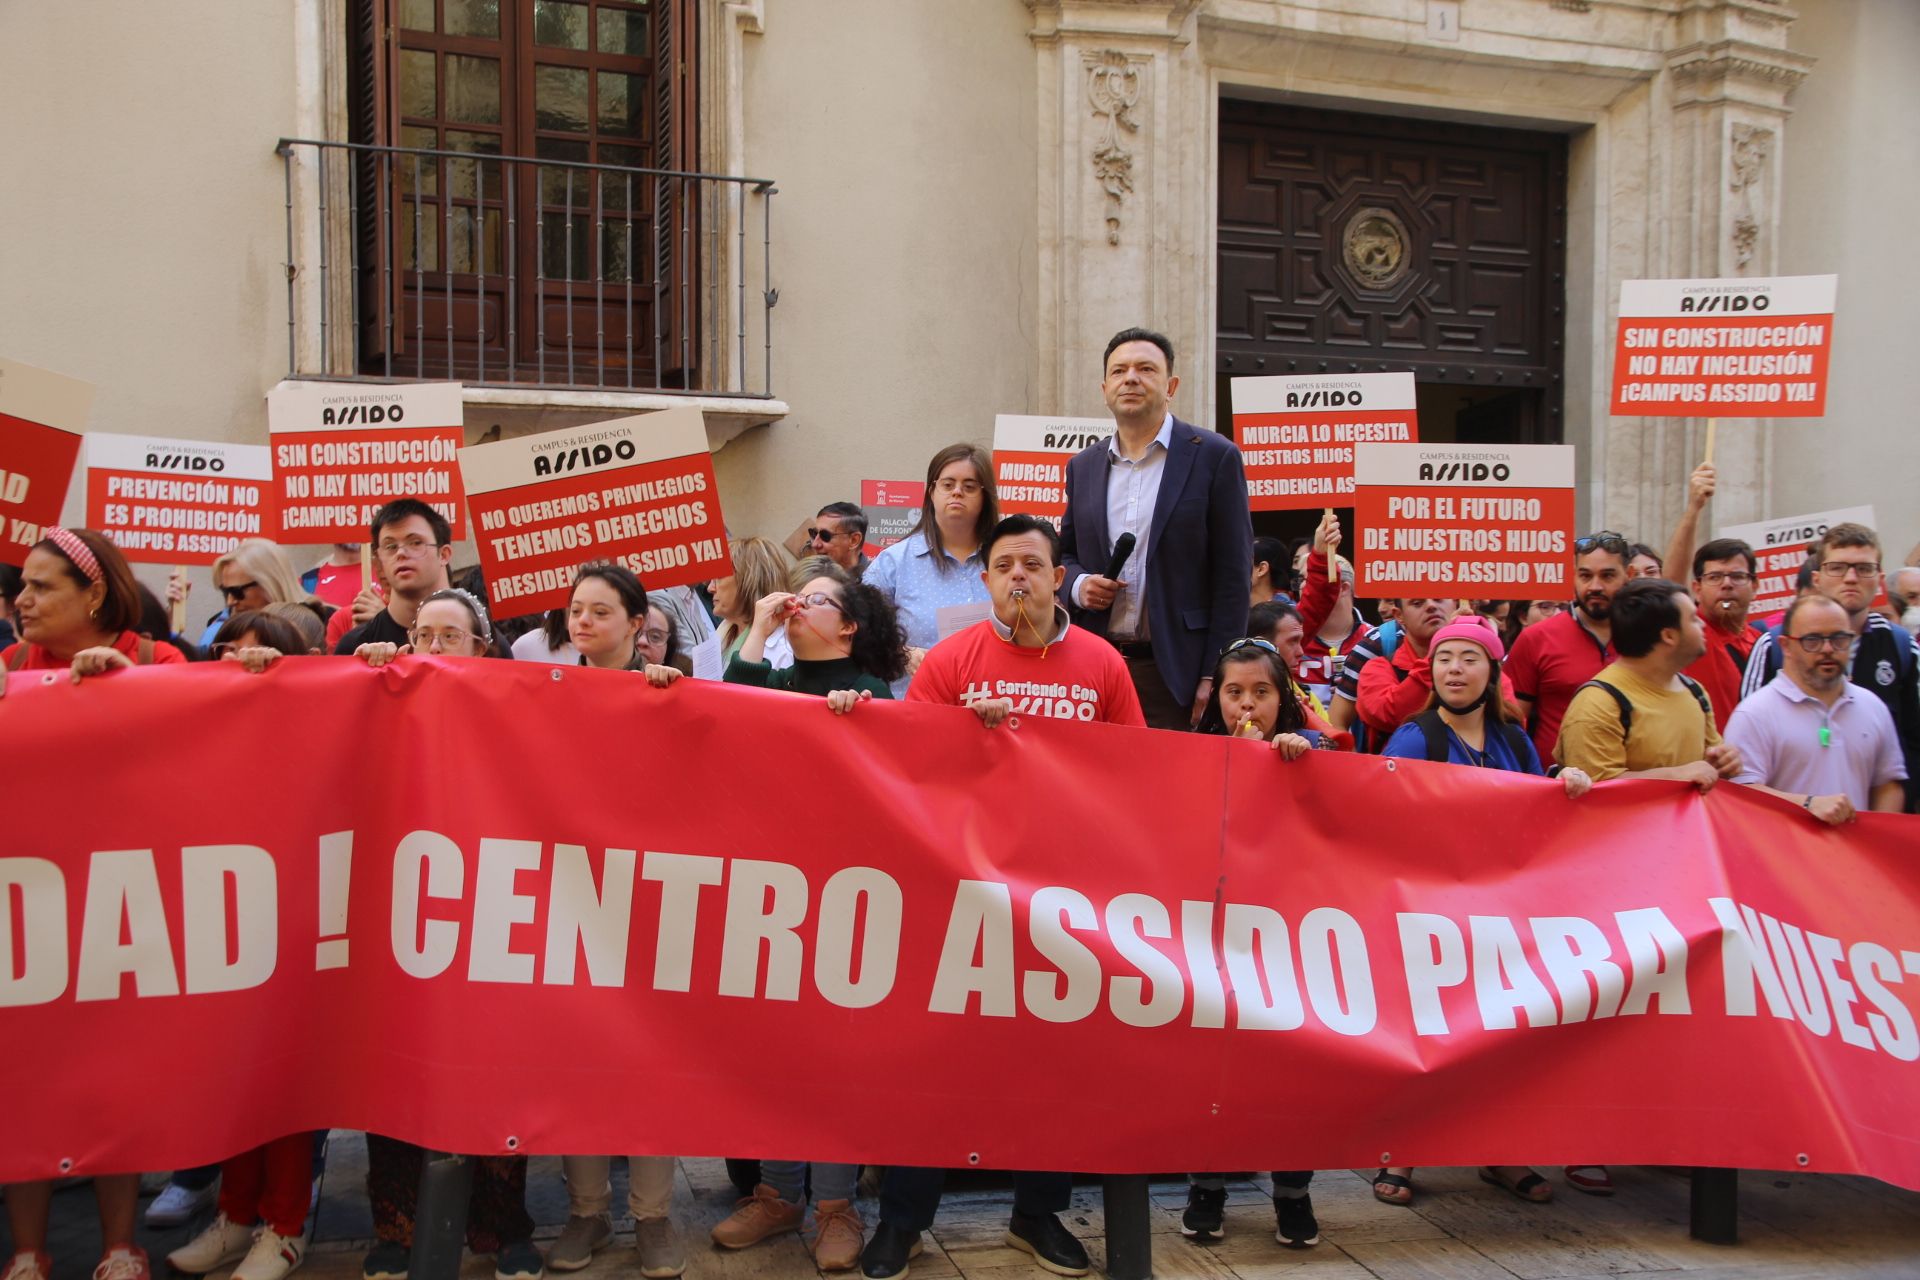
column 1838, row 641
column 655, row 637
column 449, row 638
column 1734, row 576
column 239, row 592
column 824, row 535
column 1250, row 642
column 966, row 487
column 817, row 600
column 1848, row 568
column 1605, row 540
column 411, row 546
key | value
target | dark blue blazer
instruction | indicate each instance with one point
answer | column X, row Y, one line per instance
column 1199, row 567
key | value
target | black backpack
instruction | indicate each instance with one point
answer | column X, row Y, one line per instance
column 1434, row 730
column 1626, row 707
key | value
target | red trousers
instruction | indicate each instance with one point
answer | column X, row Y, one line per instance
column 271, row 1184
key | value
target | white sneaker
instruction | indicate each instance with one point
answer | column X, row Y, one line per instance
column 272, row 1257
column 175, row 1205
column 222, row 1242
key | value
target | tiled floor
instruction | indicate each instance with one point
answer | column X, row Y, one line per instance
column 1793, row 1226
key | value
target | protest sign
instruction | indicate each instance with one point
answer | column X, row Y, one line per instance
column 1030, row 456
column 1724, row 348
column 342, row 450
column 1297, row 434
column 961, row 966
column 638, row 491
column 177, row 502
column 1780, row 548
column 1481, row 522
column 41, row 417
column 892, row 508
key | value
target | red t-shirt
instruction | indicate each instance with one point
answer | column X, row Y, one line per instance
column 1080, row 676
column 1720, row 668
column 128, row 643
column 338, row 625
column 1547, row 665
column 337, row 584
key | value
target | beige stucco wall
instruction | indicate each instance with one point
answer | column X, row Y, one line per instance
column 902, row 137
column 142, row 214
column 1851, row 185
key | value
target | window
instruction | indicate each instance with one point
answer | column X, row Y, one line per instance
column 557, row 272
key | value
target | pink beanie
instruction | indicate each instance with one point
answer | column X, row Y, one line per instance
column 1475, row 629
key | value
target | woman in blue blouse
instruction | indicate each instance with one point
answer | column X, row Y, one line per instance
column 938, row 564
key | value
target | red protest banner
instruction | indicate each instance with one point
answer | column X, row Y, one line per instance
column 639, row 491
column 1030, row 457
column 1780, row 548
column 176, row 501
column 1297, row 434
column 343, row 450
column 892, row 508
column 1724, row 348
column 912, row 950
column 41, row 417
column 1481, row 522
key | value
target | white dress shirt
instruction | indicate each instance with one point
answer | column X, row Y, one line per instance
column 1133, row 486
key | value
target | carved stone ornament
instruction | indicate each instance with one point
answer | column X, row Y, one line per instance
column 1375, row 247
column 1750, row 149
column 1113, row 88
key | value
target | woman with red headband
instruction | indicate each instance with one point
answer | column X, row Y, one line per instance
column 78, row 607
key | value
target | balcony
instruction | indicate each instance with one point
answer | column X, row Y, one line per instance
column 541, row 283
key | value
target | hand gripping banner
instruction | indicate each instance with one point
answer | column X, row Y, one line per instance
column 496, row 907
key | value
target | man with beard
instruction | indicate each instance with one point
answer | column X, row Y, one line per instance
column 1552, row 659
column 1846, row 570
column 1811, row 736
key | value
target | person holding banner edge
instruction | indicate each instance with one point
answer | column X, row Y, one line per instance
column 1181, row 597
column 77, row 609
column 414, row 544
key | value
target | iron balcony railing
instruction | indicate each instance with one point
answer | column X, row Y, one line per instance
column 411, row 263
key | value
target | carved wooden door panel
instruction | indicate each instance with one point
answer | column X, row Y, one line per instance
column 1356, row 243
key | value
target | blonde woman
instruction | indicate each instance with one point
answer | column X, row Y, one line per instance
column 760, row 568
column 252, row 576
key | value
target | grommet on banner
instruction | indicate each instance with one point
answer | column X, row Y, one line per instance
column 66, row 1164
column 1386, row 1157
column 1803, row 1160
column 513, row 1143
column 973, row 1157
column 1390, row 766
column 1216, row 1108
column 1013, row 722
column 47, row 678
column 557, row 673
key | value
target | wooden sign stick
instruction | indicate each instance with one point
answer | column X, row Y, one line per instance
column 1711, row 424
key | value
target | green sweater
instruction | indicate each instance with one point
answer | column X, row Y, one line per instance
column 818, row 678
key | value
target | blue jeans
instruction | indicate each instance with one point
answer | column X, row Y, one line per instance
column 830, row 1181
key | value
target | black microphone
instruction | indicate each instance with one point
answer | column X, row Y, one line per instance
column 1122, row 548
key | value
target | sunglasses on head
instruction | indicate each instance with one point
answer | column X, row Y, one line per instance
column 1250, row 642
column 1605, row 540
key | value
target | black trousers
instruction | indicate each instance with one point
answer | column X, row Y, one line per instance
column 909, row 1196
column 1161, row 709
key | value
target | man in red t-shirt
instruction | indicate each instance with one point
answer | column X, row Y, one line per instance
column 1027, row 659
column 1723, row 587
column 1552, row 659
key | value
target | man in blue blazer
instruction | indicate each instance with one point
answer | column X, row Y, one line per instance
column 1181, row 595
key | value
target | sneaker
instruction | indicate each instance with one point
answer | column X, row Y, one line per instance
column 1293, row 1222
column 1051, row 1244
column 887, row 1254
column 579, row 1240
column 838, row 1234
column 272, row 1257
column 176, row 1205
column 29, row 1266
column 1205, row 1218
column 128, row 1262
column 222, row 1242
column 659, row 1246
column 760, row 1215
column 386, row 1261
column 520, row 1260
